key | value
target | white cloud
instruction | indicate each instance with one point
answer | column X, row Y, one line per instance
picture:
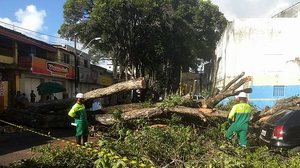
column 252, row 8
column 31, row 18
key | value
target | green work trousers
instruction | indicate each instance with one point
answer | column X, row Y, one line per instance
column 81, row 128
column 241, row 130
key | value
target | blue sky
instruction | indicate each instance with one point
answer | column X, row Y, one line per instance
column 43, row 16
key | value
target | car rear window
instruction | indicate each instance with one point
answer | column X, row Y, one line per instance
column 280, row 118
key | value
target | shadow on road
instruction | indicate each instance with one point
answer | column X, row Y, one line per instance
column 13, row 142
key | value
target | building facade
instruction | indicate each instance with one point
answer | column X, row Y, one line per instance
column 25, row 63
column 265, row 49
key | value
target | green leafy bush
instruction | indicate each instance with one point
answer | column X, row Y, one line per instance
column 55, row 156
column 175, row 145
column 174, row 100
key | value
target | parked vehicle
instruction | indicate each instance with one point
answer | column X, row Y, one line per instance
column 282, row 130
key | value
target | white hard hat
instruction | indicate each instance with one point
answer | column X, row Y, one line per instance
column 242, row 94
column 80, row 95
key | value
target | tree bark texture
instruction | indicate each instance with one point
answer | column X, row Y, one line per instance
column 118, row 87
column 108, row 119
column 227, row 91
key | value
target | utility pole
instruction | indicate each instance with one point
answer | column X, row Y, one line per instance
column 76, row 66
column 77, row 61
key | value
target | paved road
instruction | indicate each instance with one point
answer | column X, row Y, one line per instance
column 16, row 146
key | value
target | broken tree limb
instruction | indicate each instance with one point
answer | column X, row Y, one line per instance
column 108, row 119
column 229, row 90
column 291, row 103
column 232, row 82
column 186, row 110
column 122, row 86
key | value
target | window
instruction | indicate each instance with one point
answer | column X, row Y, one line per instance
column 6, row 46
column 86, row 63
column 278, row 91
column 66, row 58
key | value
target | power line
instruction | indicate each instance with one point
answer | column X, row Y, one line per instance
column 31, row 30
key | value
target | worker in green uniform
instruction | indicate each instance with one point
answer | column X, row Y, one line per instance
column 79, row 113
column 239, row 117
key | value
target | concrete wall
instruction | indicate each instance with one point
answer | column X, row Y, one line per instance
column 266, row 49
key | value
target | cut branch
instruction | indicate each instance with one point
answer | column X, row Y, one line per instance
column 232, row 82
column 211, row 102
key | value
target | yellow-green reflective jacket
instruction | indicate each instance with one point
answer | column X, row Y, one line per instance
column 78, row 112
column 240, row 113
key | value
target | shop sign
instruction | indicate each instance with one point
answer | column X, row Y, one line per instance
column 45, row 67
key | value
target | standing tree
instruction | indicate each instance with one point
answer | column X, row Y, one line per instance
column 153, row 38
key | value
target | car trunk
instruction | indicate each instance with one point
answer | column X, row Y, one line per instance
column 276, row 120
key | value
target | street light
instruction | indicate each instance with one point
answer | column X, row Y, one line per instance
column 77, row 61
column 97, row 38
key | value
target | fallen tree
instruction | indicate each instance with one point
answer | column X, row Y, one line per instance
column 54, row 113
column 229, row 90
column 206, row 105
column 291, row 103
column 118, row 87
column 135, row 111
column 109, row 119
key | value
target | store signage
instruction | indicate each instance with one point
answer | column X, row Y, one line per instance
column 45, row 67
column 57, row 69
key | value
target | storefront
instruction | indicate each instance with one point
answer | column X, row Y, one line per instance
column 47, row 71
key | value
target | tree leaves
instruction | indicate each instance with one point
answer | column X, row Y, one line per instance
column 154, row 37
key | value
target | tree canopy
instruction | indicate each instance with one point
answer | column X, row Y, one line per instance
column 147, row 37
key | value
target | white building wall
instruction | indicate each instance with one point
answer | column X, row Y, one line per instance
column 267, row 49
column 261, row 47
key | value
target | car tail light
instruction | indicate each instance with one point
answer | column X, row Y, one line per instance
column 278, row 132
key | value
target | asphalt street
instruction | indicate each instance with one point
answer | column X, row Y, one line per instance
column 16, row 146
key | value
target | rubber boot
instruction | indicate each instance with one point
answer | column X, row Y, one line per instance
column 85, row 139
column 78, row 140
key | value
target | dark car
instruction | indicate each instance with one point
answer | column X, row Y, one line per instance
column 282, row 130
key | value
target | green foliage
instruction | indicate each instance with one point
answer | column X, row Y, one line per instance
column 54, row 156
column 153, row 36
column 175, row 146
column 147, row 104
column 161, row 146
column 175, row 100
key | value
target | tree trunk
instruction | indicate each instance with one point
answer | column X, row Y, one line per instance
column 108, row 119
column 118, row 87
column 214, row 74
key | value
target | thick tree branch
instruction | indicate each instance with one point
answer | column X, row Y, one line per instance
column 232, row 82
column 122, row 86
